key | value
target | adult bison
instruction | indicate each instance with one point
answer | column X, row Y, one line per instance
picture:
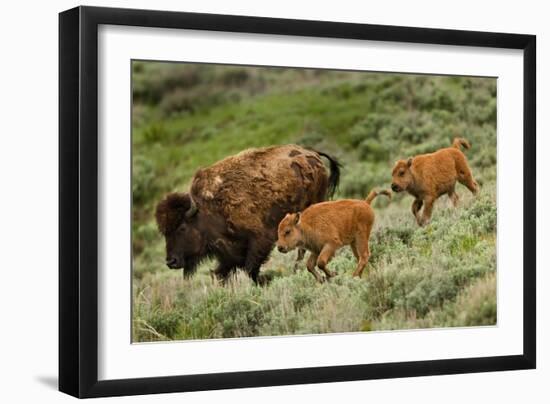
column 233, row 208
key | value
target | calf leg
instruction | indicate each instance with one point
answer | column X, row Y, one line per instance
column 466, row 178
column 299, row 258
column 471, row 184
column 416, row 206
column 310, row 265
column 354, row 250
column 427, row 212
column 362, row 245
column 453, row 196
column 324, row 257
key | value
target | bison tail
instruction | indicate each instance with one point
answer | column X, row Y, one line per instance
column 334, row 178
column 373, row 194
column 460, row 141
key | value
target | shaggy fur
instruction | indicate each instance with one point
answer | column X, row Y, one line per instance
column 170, row 212
column 429, row 176
column 325, row 227
column 239, row 202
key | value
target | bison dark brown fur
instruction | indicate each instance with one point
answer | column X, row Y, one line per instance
column 233, row 208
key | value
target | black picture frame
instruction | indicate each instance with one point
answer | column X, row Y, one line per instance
column 78, row 201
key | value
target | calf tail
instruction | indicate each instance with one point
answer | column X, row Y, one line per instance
column 373, row 194
column 460, row 141
column 334, row 178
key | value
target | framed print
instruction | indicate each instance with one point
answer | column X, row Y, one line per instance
column 251, row 201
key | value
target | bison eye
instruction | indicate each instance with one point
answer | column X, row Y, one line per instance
column 402, row 173
column 287, row 232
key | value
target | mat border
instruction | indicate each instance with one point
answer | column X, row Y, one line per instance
column 78, row 201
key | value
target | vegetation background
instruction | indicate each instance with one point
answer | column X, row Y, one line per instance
column 186, row 116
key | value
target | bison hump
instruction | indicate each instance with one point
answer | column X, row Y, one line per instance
column 255, row 184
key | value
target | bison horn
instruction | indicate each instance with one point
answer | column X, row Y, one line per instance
column 192, row 208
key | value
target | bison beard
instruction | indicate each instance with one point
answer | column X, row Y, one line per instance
column 190, row 267
column 234, row 206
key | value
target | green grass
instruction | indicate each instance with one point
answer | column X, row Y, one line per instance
column 189, row 116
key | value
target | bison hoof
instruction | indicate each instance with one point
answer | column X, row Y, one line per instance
column 263, row 280
column 423, row 222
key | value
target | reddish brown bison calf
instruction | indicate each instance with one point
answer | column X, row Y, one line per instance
column 325, row 227
column 429, row 176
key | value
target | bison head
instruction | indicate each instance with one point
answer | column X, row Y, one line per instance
column 289, row 233
column 176, row 217
column 402, row 176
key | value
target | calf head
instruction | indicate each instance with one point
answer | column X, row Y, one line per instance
column 177, row 220
column 289, row 233
column 402, row 177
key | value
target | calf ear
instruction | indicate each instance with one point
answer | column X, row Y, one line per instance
column 409, row 162
column 297, row 218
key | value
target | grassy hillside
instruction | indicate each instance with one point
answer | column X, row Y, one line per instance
column 188, row 116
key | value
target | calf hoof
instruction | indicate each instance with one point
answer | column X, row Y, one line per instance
column 318, row 278
column 423, row 222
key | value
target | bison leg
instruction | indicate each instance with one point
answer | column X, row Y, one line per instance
column 362, row 247
column 416, row 206
column 324, row 257
column 223, row 270
column 453, row 196
column 466, row 178
column 354, row 250
column 469, row 182
column 257, row 253
column 427, row 212
column 310, row 265
column 299, row 258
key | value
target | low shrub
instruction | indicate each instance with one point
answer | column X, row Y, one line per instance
column 143, row 179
